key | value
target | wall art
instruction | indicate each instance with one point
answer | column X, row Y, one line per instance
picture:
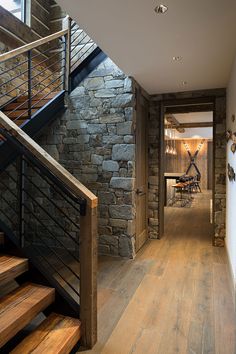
column 231, row 173
column 228, row 135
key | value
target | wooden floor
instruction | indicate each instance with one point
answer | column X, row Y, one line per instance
column 173, row 298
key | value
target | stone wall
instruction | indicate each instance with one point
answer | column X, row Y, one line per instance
column 220, row 171
column 94, row 140
column 219, row 191
column 153, row 170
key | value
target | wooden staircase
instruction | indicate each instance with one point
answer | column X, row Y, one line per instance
column 56, row 334
column 17, row 110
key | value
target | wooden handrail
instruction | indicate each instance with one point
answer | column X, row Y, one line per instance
column 58, row 170
column 13, row 53
column 88, row 231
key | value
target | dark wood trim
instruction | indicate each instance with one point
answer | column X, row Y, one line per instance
column 161, row 171
column 206, row 107
column 184, row 102
column 201, row 96
column 194, row 125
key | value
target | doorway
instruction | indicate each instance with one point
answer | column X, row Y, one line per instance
column 142, row 109
column 186, row 174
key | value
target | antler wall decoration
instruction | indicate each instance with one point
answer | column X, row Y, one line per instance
column 231, row 173
column 231, row 136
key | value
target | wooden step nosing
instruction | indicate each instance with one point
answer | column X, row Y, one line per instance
column 38, row 340
column 14, row 324
column 21, row 266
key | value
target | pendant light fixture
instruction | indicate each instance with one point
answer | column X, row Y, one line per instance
column 167, row 150
column 171, row 147
column 175, row 151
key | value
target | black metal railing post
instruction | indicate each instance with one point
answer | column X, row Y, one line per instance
column 29, row 84
column 22, row 200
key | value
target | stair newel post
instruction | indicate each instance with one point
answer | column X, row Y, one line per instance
column 29, row 83
column 67, row 53
column 22, row 166
column 88, row 275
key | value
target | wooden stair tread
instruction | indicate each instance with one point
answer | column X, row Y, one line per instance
column 19, row 307
column 11, row 267
column 22, row 113
column 57, row 334
column 35, row 103
column 38, row 97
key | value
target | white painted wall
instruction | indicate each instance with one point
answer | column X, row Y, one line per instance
column 231, row 186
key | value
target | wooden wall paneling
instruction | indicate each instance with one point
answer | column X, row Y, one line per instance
column 56, row 25
column 57, row 13
column 210, row 165
column 44, row 3
column 40, row 12
column 180, row 162
column 41, row 29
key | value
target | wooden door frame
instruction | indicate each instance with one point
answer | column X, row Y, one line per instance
column 141, row 98
column 196, row 104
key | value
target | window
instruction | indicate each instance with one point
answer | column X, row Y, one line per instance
column 15, row 7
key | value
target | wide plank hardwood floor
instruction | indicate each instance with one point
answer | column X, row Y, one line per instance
column 173, row 298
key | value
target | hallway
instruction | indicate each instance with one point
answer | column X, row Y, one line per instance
column 173, row 298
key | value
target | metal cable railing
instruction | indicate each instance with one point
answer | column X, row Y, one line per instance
column 43, row 208
column 42, row 73
column 44, row 215
column 32, row 71
column 81, row 45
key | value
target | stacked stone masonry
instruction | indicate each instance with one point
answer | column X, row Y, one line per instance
column 94, row 140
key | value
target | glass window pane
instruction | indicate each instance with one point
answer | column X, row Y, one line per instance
column 14, row 6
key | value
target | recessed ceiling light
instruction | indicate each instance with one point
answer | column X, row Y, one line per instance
column 184, row 83
column 177, row 58
column 160, row 9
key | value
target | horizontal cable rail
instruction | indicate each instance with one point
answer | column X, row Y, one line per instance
column 51, row 215
column 33, row 70
column 53, row 218
column 80, row 46
column 28, row 47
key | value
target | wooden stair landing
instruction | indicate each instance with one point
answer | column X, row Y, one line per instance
column 57, row 334
column 11, row 267
column 19, row 307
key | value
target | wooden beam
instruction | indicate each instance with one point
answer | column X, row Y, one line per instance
column 58, row 170
column 208, row 107
column 15, row 52
column 196, row 125
column 174, row 122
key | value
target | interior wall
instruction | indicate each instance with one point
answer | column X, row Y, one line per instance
column 181, row 161
column 218, row 98
column 14, row 33
column 94, row 139
column 231, row 186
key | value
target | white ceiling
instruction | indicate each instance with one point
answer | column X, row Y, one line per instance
column 195, row 133
column 143, row 43
column 194, row 117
